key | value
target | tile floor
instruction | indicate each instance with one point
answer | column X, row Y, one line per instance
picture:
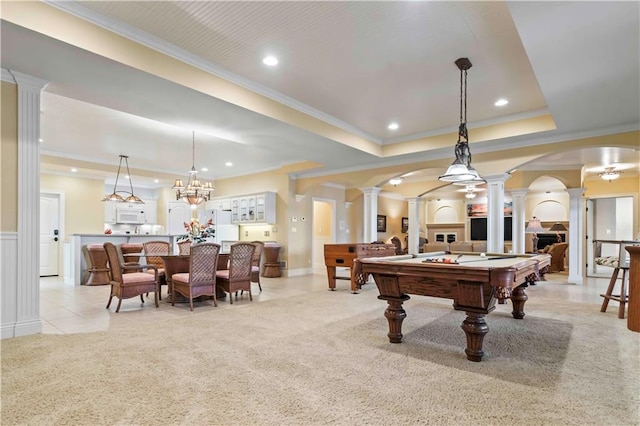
column 68, row 309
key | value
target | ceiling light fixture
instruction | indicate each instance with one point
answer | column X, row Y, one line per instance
column 470, row 194
column 501, row 102
column 460, row 172
column 395, row 181
column 393, row 126
column 194, row 192
column 610, row 173
column 115, row 196
column 270, row 61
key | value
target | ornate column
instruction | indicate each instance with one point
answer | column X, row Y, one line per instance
column 495, row 212
column 28, row 245
column 576, row 235
column 414, row 225
column 518, row 197
column 370, row 214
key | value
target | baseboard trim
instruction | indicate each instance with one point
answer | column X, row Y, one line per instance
column 299, row 272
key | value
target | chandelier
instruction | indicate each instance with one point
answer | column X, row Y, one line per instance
column 460, row 172
column 115, row 196
column 610, row 173
column 194, row 192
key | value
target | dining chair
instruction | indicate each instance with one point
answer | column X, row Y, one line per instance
column 238, row 276
column 132, row 284
column 255, row 263
column 183, row 247
column 152, row 252
column 201, row 278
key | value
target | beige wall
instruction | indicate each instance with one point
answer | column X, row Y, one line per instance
column 394, row 209
column 9, row 158
column 84, row 212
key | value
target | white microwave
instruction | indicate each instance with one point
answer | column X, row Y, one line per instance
column 130, row 216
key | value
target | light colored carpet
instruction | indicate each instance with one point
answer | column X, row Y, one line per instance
column 324, row 358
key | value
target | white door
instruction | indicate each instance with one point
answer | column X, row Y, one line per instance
column 179, row 213
column 49, row 234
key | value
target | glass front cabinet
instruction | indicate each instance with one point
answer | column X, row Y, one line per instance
column 254, row 208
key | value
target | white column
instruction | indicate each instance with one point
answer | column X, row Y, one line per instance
column 576, row 235
column 414, row 225
column 495, row 212
column 28, row 244
column 518, row 219
column 370, row 214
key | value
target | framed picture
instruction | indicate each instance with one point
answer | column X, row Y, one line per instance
column 382, row 223
column 405, row 225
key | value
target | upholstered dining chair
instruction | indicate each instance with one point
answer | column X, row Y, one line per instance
column 255, row 263
column 136, row 283
column 238, row 276
column 201, row 278
column 152, row 252
column 184, row 246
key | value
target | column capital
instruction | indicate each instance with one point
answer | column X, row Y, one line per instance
column 370, row 190
column 500, row 177
column 519, row 191
column 27, row 82
column 413, row 199
column 575, row 192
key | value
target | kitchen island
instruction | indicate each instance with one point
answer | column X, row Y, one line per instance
column 77, row 264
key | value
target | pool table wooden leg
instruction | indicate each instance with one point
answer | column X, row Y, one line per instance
column 395, row 314
column 518, row 299
column 475, row 327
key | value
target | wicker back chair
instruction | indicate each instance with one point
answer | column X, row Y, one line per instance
column 238, row 276
column 127, row 285
column 255, row 263
column 152, row 252
column 184, row 247
column 201, row 278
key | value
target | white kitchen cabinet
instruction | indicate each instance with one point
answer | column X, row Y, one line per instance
column 110, row 211
column 254, row 208
column 218, row 204
column 151, row 212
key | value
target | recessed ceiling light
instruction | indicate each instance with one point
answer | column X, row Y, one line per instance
column 127, row 177
column 501, row 102
column 74, row 170
column 228, row 164
column 204, row 169
column 40, row 140
column 393, row 126
column 156, row 181
column 270, row 60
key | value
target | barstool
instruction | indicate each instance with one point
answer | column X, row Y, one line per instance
column 623, row 264
column 98, row 270
column 620, row 298
column 271, row 265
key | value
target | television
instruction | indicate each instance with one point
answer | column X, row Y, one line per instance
column 479, row 228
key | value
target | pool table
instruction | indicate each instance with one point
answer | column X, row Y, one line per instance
column 475, row 281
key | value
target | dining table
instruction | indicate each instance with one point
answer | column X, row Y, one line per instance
column 177, row 263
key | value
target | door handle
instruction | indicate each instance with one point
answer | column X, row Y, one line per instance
column 55, row 238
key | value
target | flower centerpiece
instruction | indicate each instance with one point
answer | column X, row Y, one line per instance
column 196, row 232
